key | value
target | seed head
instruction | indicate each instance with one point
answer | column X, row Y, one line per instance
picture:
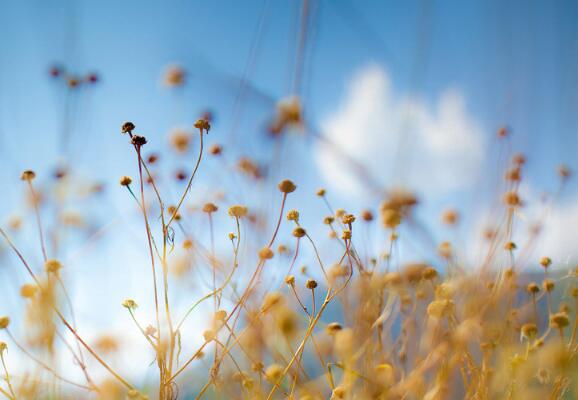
column 286, row 186
column 237, row 211
column 203, row 125
column 429, row 273
column 3, row 347
column 266, row 253
column 52, row 266
column 529, row 331
column 293, row 215
column 28, row 290
column 390, row 218
column 210, row 208
column 532, row 288
column 510, row 246
column 367, row 215
column 209, row 335
column 559, row 320
column 348, row 219
column 4, row 322
column 290, row 280
column 216, row 149
column 174, row 76
column 125, row 180
column 127, row 127
column 138, row 140
column 321, row 192
column 333, row 327
column 346, row 234
column 28, row 175
column 545, row 262
column 564, row 171
column 129, row 304
column 328, row 220
column 512, row 199
column 311, row 284
column 450, row 217
column 273, row 372
column 548, row 285
column 299, row 232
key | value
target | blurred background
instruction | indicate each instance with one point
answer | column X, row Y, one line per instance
column 392, row 94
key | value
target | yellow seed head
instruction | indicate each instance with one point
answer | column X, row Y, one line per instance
column 210, row 208
column 299, row 232
column 4, row 322
column 237, row 211
column 129, row 304
column 311, row 284
column 52, row 266
column 293, row 215
column 266, row 253
column 28, row 175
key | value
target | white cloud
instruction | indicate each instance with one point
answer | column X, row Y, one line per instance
column 442, row 145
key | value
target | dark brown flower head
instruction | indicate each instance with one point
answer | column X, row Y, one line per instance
column 127, row 127
column 28, row 175
column 138, row 140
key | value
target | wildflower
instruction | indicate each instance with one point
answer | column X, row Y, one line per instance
column 548, row 285
column 125, row 180
column 545, row 262
column 528, row 331
column 450, row 217
column 390, row 218
column 367, row 215
column 290, row 280
column 328, row 220
column 210, row 208
column 348, row 219
column 286, row 186
column 514, row 175
column 321, row 192
column 180, row 140
column 216, row 149
column 28, row 290
column 564, row 171
column 150, row 330
column 271, row 300
column 346, row 234
column 532, row 288
column 52, row 266
column 333, row 327
column 3, row 347
column 174, row 76
column 266, row 253
column 273, row 372
column 209, row 335
column 232, row 236
column 293, row 215
column 510, row 246
column 127, row 127
column 311, row 284
column 559, row 320
column 237, row 211
column 129, row 304
column 138, row 140
column 512, row 199
column 4, row 322
column 299, row 232
column 203, row 125
column 220, row 315
column 28, row 175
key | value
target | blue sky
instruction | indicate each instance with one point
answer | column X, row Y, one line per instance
column 498, row 62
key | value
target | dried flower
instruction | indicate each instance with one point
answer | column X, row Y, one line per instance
column 129, row 304
column 286, row 186
column 266, row 253
column 28, row 175
column 125, row 180
column 127, row 127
